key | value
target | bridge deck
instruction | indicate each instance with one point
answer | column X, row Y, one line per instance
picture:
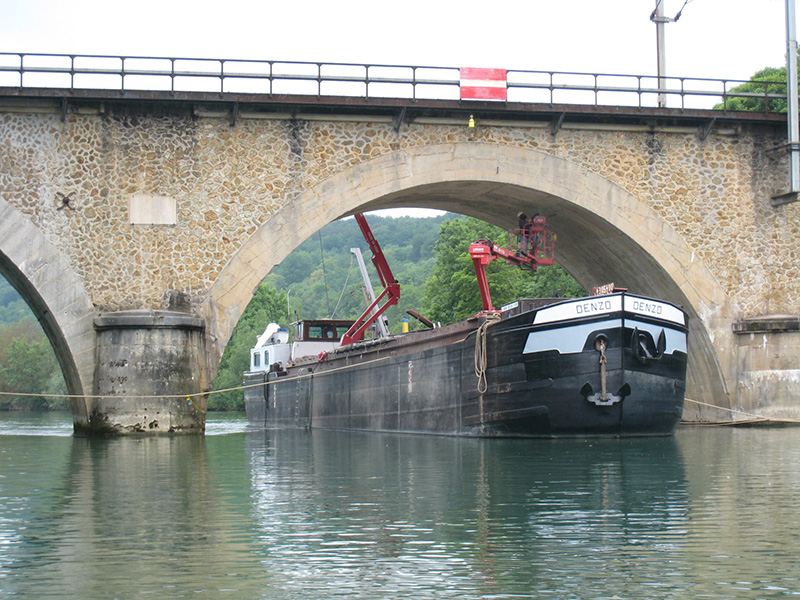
column 400, row 110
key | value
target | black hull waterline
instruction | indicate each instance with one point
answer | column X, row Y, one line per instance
column 610, row 367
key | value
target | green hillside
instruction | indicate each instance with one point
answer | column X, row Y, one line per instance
column 27, row 362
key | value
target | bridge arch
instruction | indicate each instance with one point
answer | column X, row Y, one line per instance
column 605, row 234
column 46, row 281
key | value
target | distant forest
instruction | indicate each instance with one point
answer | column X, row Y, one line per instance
column 428, row 256
column 27, row 362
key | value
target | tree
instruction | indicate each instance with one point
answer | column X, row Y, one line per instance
column 28, row 366
column 451, row 292
column 770, row 80
column 267, row 306
column 27, row 361
column 333, row 286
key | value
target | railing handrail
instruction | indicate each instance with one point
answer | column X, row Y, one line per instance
column 419, row 78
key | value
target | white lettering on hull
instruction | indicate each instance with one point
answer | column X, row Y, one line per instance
column 585, row 307
column 652, row 308
column 595, row 306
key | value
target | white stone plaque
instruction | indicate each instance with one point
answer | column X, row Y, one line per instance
column 147, row 209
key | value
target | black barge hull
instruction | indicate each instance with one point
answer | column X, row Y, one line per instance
column 608, row 366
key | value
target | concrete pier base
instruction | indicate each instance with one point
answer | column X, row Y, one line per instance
column 147, row 363
column 768, row 354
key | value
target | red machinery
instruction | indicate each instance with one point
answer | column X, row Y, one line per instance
column 391, row 291
column 530, row 246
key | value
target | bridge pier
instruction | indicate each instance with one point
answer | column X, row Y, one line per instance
column 768, row 354
column 147, row 362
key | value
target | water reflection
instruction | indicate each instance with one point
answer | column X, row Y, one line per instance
column 463, row 516
column 296, row 515
column 118, row 517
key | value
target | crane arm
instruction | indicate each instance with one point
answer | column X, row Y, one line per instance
column 390, row 294
column 536, row 247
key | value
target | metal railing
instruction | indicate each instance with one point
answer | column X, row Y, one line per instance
column 235, row 76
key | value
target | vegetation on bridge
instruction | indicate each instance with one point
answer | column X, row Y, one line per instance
column 767, row 81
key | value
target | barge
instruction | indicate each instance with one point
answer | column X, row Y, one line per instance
column 611, row 364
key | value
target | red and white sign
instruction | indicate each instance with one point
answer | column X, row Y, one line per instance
column 483, row 84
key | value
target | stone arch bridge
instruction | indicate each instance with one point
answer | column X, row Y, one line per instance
column 139, row 226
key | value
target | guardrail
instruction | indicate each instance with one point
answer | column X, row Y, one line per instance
column 236, row 76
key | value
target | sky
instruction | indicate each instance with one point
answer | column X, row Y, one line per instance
column 712, row 38
column 717, row 39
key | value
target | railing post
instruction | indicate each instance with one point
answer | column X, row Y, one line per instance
column 639, row 89
column 724, row 95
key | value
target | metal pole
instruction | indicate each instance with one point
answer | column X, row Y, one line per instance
column 791, row 96
column 382, row 323
column 661, row 52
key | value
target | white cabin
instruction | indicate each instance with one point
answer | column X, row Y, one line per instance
column 311, row 338
column 272, row 347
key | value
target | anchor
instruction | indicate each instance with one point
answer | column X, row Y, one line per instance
column 603, row 398
column 641, row 346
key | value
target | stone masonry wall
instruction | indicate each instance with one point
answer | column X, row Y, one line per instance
column 227, row 181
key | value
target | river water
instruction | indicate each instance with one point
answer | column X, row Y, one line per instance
column 711, row 513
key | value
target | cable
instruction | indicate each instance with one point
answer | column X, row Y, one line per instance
column 344, row 287
column 324, row 274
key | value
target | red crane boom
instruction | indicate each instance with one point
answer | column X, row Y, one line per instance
column 534, row 246
column 391, row 291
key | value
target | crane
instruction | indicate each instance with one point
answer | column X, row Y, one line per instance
column 391, row 291
column 530, row 246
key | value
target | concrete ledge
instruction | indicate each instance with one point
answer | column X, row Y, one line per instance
column 149, row 319
column 767, row 324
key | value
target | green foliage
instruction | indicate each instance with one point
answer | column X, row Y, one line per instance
column 323, row 279
column 27, row 362
column 12, row 307
column 28, row 366
column 267, row 306
column 770, row 80
column 451, row 292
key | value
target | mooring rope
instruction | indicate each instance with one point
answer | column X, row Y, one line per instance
column 481, row 357
column 751, row 417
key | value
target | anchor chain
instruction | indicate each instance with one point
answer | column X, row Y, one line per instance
column 603, row 381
